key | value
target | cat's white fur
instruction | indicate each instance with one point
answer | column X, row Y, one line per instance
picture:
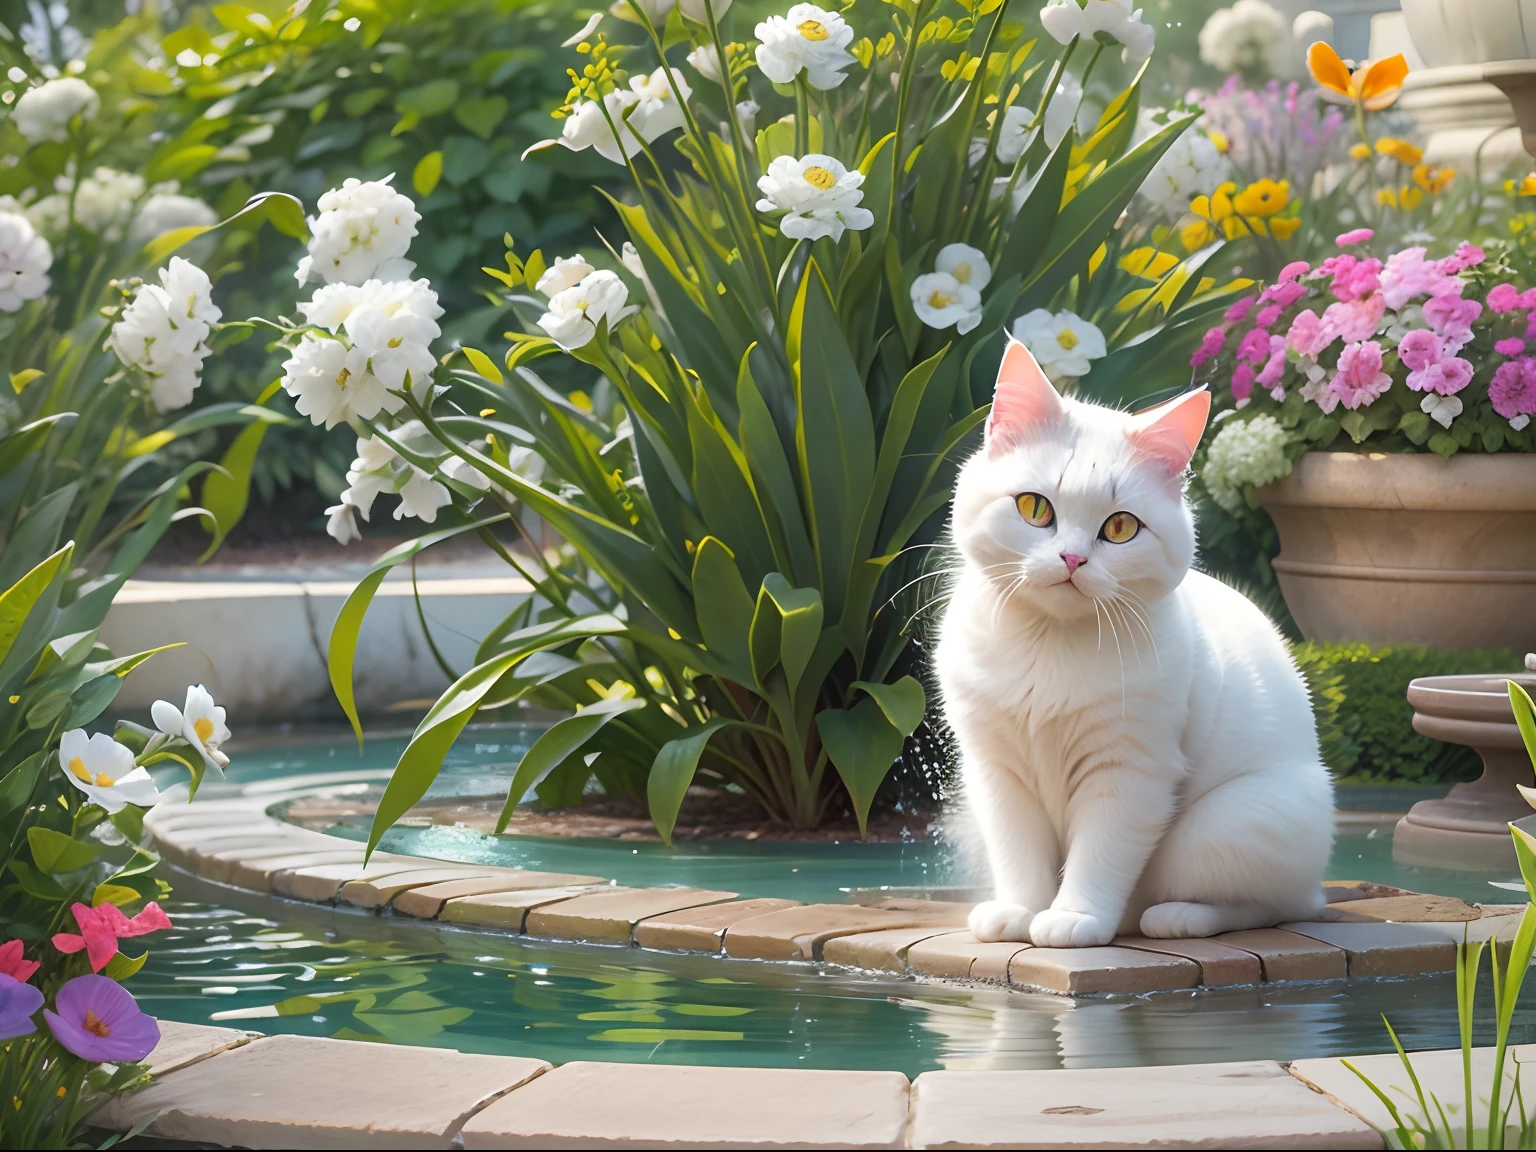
column 1137, row 743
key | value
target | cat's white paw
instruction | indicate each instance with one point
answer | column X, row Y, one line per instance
column 999, row 920
column 1180, row 920
column 1059, row 928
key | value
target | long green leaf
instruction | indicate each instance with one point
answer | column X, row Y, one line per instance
column 723, row 605
column 226, row 492
column 903, row 702
column 561, row 741
column 672, row 772
column 1525, row 717
column 18, row 601
column 862, row 745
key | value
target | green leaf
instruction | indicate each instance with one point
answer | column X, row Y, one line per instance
column 483, row 364
column 116, row 894
column 1525, row 852
column 464, row 158
column 55, row 852
column 862, row 745
column 38, row 884
column 672, row 772
column 120, row 967
column 428, row 99
column 227, row 491
column 22, row 443
column 20, row 380
column 799, row 612
column 902, row 702
column 283, row 211
column 480, row 114
column 1525, row 717
column 17, row 601
column 429, row 170
column 91, row 699
column 722, row 604
column 562, row 740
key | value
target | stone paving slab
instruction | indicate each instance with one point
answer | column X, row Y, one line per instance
column 257, row 872
column 1221, row 965
column 306, row 1092
column 1288, row 956
column 184, row 1044
column 184, row 850
column 591, row 1105
column 379, row 891
column 960, row 956
column 427, row 901
column 882, row 951
column 1439, row 1072
column 1415, row 909
column 319, row 884
column 800, row 933
column 1081, row 971
column 610, row 917
column 702, row 929
column 508, row 911
column 1384, row 949
column 1248, row 1105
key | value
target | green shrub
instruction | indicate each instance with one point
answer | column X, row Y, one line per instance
column 1364, row 720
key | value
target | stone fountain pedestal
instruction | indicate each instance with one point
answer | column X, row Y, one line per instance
column 1469, row 827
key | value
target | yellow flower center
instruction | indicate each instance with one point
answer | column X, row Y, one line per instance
column 1067, row 339
column 95, row 1025
column 77, row 766
column 812, row 29
column 939, row 299
column 104, row 781
column 204, row 728
column 819, row 177
column 962, row 272
column 394, row 341
column 341, row 380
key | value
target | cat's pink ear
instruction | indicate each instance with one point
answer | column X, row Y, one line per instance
column 1170, row 432
column 1023, row 399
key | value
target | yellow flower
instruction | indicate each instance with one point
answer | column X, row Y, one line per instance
column 1409, row 197
column 1400, row 150
column 1263, row 198
column 1284, row 227
column 1148, row 263
column 1212, row 217
column 1386, row 197
column 1360, row 152
column 1525, row 187
column 1220, row 140
column 1433, row 179
column 1520, row 223
column 1374, row 85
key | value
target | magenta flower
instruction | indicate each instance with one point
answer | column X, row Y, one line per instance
column 1503, row 298
column 1360, row 380
column 1242, row 382
column 18, row 1002
column 1294, row 269
column 1509, row 346
column 1466, row 255
column 98, row 1020
column 1513, row 391
column 1254, row 348
column 1355, row 320
column 101, row 928
column 1267, row 315
column 1211, row 344
column 1274, row 367
column 1528, row 298
column 1421, row 348
column 1452, row 317
column 1308, row 335
column 1239, row 311
column 1352, row 277
column 1354, row 236
column 13, row 962
column 1283, row 295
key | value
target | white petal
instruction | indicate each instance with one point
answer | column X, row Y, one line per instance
column 167, row 717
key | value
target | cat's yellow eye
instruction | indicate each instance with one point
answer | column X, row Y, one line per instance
column 1121, row 528
column 1036, row 509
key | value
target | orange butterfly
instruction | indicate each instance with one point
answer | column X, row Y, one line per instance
column 1374, row 85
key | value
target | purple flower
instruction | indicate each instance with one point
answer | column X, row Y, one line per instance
column 1445, row 377
column 1503, row 298
column 1308, row 334
column 1466, row 255
column 1239, row 311
column 1355, row 320
column 99, row 1021
column 18, row 1002
column 1407, row 275
column 1283, row 294
column 1513, row 390
column 1510, row 346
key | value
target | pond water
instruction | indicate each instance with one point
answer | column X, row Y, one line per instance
column 273, row 965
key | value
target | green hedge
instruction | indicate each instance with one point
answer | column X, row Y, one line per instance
column 1364, row 720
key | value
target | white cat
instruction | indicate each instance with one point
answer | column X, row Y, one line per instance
column 1137, row 743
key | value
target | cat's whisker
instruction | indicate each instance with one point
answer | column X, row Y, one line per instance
column 1138, row 611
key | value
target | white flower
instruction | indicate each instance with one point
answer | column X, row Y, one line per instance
column 706, row 62
column 1062, row 113
column 1015, row 135
column 817, row 194
column 1247, row 37
column 658, row 111
column 806, row 38
column 746, row 116
column 1064, row 344
column 1107, row 21
column 940, row 301
column 586, row 30
column 362, row 233
column 330, row 383
column 43, row 113
column 1442, row 409
column 394, row 326
column 200, row 723
column 655, row 10
column 698, row 10
column 421, row 497
column 341, row 523
column 565, row 272
column 1244, row 452
column 373, row 453
column 163, row 332
column 1518, row 423
column 966, row 264
column 587, row 127
column 25, row 258
column 167, row 211
column 331, row 304
column 1192, row 166
column 104, row 770
column 575, row 313
column 104, row 200
column 630, row 257
column 460, row 469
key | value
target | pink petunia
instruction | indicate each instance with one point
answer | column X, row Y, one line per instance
column 1503, row 298
column 1283, row 295
column 1239, row 311
column 1446, row 376
column 1267, row 315
column 1355, row 320
column 1308, row 335
column 1407, row 276
column 1452, row 316
column 1254, row 348
column 1360, row 379
column 1466, row 255
column 1210, row 345
column 1510, row 346
column 1354, row 236
column 1294, row 269
column 1528, row 298
column 1421, row 348
column 1513, row 390
column 1242, row 382
column 1360, row 278
column 1274, row 367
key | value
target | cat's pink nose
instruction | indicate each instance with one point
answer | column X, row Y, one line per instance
column 1073, row 561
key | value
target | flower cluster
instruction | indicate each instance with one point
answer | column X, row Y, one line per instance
column 627, row 119
column 1193, row 166
column 1232, row 214
column 25, row 258
column 1106, row 21
column 362, row 233
column 1244, row 453
column 805, row 39
column 818, row 196
column 44, row 114
column 950, row 295
column 1246, row 38
column 163, row 332
column 580, row 299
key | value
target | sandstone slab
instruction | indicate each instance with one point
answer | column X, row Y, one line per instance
column 184, row 1044
column 610, row 917
column 379, row 891
column 701, row 929
column 1247, row 1105
column 1416, row 909
column 1385, row 949
column 427, row 901
column 509, row 910
column 590, row 1105
column 257, row 872
column 960, row 956
column 1081, row 971
column 1221, row 965
column 882, row 951
column 1288, row 956
column 800, row 933
column 304, row 1092
column 320, row 884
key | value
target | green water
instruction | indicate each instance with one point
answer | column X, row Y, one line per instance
column 244, row 959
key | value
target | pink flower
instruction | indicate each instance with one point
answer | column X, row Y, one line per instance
column 1513, row 389
column 1360, row 380
column 1528, row 298
column 1421, row 348
column 1294, row 269
column 101, row 928
column 1254, row 348
column 1283, row 295
column 1452, row 317
column 1446, row 376
column 1274, row 368
column 1511, row 346
column 1503, row 298
column 1407, row 276
column 1239, row 311
column 1267, row 315
column 1466, row 255
column 1242, row 382
column 1210, row 345
column 1352, row 277
column 1308, row 335
column 1355, row 320
column 1354, row 236
column 14, row 964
